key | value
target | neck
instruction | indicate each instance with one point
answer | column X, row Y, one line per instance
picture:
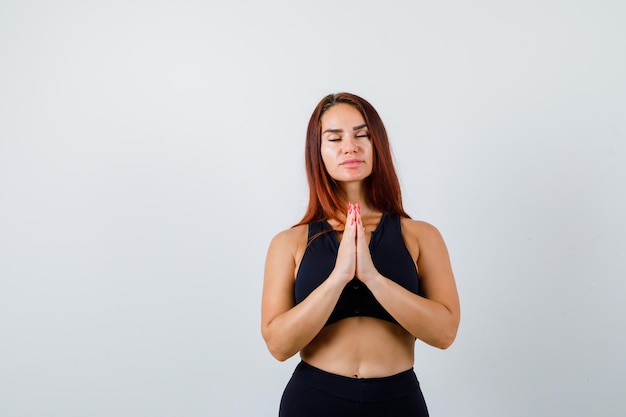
column 355, row 193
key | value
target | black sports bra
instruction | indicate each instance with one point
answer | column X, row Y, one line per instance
column 390, row 257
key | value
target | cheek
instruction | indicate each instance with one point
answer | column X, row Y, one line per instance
column 370, row 154
column 326, row 155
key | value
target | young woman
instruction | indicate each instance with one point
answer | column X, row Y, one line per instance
column 356, row 281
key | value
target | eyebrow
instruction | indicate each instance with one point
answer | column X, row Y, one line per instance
column 341, row 130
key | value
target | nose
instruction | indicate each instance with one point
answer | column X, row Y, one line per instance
column 350, row 146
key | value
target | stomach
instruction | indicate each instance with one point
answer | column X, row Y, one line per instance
column 361, row 347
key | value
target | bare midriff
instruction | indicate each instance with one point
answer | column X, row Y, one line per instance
column 361, row 347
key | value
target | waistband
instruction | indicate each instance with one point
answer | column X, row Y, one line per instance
column 358, row 389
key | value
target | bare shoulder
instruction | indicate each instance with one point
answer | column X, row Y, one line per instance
column 290, row 238
column 418, row 227
column 420, row 237
column 420, row 230
column 289, row 243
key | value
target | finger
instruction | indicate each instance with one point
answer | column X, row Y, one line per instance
column 349, row 228
column 349, row 215
column 357, row 213
column 357, row 209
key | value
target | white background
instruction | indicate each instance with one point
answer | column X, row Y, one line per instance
column 149, row 151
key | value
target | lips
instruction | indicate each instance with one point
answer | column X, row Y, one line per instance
column 351, row 162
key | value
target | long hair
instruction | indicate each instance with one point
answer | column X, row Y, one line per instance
column 382, row 188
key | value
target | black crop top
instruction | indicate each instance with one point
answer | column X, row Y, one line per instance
column 389, row 254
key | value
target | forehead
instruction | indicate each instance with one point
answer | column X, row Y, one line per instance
column 341, row 116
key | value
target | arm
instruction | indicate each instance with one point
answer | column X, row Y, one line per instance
column 434, row 317
column 286, row 327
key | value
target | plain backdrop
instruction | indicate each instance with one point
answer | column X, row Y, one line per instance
column 150, row 150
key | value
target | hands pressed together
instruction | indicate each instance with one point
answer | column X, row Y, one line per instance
column 354, row 258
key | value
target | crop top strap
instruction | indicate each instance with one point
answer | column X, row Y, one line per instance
column 316, row 229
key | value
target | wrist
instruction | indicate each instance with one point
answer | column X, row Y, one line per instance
column 340, row 278
column 371, row 280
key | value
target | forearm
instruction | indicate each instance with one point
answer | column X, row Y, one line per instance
column 427, row 320
column 291, row 331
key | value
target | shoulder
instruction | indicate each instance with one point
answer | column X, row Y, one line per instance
column 290, row 240
column 285, row 250
column 421, row 237
column 419, row 229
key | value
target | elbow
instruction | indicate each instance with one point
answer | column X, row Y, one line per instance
column 447, row 337
column 280, row 354
column 448, row 332
column 278, row 350
column 444, row 342
column 441, row 341
column 444, row 339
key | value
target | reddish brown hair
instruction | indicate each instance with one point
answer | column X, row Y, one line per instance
column 382, row 188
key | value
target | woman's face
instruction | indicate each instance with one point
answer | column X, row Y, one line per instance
column 346, row 147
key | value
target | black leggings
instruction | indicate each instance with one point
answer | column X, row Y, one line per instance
column 312, row 392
